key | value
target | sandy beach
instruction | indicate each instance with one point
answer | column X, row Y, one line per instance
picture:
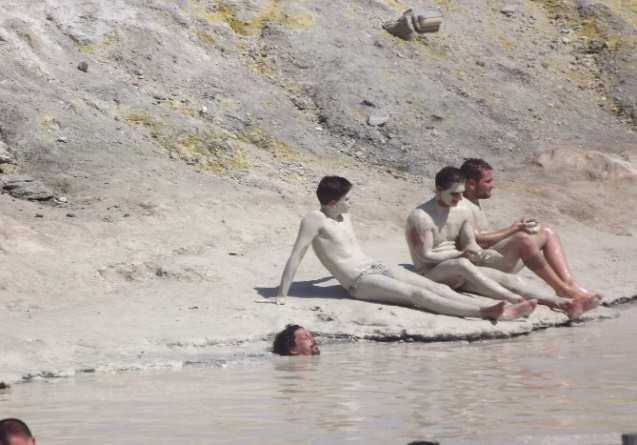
column 165, row 272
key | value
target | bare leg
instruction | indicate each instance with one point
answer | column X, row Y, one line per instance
column 523, row 287
column 574, row 308
column 383, row 289
column 529, row 248
column 556, row 257
column 462, row 274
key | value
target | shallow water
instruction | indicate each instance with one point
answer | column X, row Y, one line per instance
column 581, row 380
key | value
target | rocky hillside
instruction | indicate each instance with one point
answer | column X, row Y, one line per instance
column 91, row 91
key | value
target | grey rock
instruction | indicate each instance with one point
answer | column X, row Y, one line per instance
column 5, row 156
column 414, row 22
column 32, row 191
column 509, row 10
column 9, row 181
column 82, row 66
column 25, row 187
column 596, row 46
column 589, row 164
column 377, row 118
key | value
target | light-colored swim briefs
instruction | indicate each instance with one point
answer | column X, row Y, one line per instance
column 377, row 268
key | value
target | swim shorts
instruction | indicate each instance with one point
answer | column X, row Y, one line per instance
column 377, row 268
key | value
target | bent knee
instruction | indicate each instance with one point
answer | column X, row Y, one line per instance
column 549, row 232
column 524, row 239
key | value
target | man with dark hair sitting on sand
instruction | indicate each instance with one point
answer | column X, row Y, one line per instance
column 15, row 432
column 295, row 340
column 329, row 231
column 442, row 245
column 524, row 243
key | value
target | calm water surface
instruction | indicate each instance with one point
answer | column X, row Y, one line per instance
column 560, row 381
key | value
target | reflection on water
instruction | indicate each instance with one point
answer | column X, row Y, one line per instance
column 560, row 381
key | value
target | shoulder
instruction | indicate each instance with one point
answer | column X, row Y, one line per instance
column 315, row 218
column 419, row 217
column 463, row 210
column 470, row 207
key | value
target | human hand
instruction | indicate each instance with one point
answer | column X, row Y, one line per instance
column 444, row 246
column 470, row 253
column 531, row 225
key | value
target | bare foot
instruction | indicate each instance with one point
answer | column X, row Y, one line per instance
column 524, row 309
column 575, row 293
column 494, row 312
column 576, row 307
column 584, row 291
column 279, row 300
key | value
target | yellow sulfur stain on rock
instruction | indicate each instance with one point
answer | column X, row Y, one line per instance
column 272, row 12
column 145, row 119
column 204, row 37
column 50, row 123
column 211, row 151
column 263, row 140
column 396, row 5
column 181, row 107
column 92, row 48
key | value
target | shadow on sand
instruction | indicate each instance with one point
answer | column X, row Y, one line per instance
column 308, row 289
column 311, row 288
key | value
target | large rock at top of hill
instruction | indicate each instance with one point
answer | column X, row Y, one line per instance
column 589, row 164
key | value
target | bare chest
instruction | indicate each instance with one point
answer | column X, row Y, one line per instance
column 337, row 232
column 446, row 228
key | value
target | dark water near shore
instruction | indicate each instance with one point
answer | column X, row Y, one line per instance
column 581, row 380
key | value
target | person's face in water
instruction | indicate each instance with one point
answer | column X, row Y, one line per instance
column 304, row 343
column 453, row 195
column 342, row 205
column 21, row 440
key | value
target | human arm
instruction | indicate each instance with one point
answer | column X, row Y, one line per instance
column 308, row 230
column 435, row 255
column 421, row 239
column 487, row 239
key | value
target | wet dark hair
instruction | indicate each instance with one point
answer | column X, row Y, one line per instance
column 284, row 341
column 448, row 176
column 13, row 427
column 472, row 168
column 332, row 188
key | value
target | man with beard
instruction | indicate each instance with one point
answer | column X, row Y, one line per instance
column 442, row 245
column 524, row 243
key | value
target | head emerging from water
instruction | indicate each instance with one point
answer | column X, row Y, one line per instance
column 15, row 432
column 479, row 178
column 449, row 186
column 332, row 193
column 295, row 340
